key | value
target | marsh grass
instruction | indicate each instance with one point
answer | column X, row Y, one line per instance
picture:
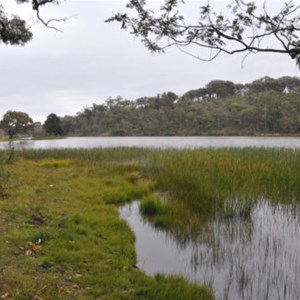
column 55, row 163
column 157, row 212
column 124, row 155
column 151, row 206
column 228, row 181
column 82, row 250
column 90, row 252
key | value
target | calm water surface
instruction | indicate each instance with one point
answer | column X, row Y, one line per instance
column 255, row 259
column 157, row 142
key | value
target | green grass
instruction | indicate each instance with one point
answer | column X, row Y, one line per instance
column 151, row 206
column 81, row 249
column 220, row 180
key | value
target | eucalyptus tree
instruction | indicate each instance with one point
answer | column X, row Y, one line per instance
column 16, row 122
column 15, row 31
column 243, row 27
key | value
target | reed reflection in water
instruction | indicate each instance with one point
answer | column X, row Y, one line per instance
column 240, row 258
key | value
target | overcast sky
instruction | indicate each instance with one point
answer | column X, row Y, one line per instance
column 64, row 72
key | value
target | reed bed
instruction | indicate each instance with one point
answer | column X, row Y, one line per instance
column 227, row 180
column 205, row 179
column 122, row 154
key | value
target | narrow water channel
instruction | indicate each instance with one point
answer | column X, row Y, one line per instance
column 256, row 258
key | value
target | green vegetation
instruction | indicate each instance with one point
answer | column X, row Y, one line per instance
column 156, row 211
column 61, row 235
column 52, row 125
column 16, row 122
column 208, row 179
column 264, row 107
column 151, row 206
column 220, row 32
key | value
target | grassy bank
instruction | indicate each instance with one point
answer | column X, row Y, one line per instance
column 61, row 235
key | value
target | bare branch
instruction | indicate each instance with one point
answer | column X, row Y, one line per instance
column 36, row 6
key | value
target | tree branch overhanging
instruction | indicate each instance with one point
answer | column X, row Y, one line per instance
column 15, row 31
column 244, row 28
column 36, row 4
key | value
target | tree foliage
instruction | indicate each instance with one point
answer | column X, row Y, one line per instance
column 265, row 106
column 16, row 122
column 52, row 125
column 245, row 27
column 14, row 30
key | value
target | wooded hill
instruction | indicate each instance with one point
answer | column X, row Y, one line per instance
column 265, row 106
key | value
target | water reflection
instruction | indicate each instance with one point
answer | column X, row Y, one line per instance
column 254, row 258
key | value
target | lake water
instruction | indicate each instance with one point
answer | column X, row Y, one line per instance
column 241, row 259
column 157, row 142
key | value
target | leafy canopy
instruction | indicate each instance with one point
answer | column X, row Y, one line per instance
column 14, row 30
column 52, row 125
column 244, row 27
column 16, row 122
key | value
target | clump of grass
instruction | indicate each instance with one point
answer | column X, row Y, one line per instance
column 175, row 288
column 158, row 212
column 152, row 206
column 116, row 197
column 126, row 194
column 41, row 236
column 133, row 177
column 55, row 163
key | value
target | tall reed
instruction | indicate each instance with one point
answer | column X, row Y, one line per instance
column 208, row 179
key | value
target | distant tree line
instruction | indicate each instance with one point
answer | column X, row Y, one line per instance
column 265, row 106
